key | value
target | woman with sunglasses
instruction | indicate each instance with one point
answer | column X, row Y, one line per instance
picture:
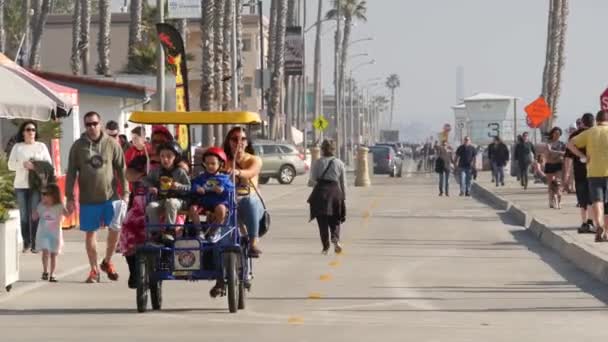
column 248, row 166
column 23, row 153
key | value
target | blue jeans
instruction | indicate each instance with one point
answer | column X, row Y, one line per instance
column 499, row 173
column 250, row 213
column 444, row 182
column 465, row 180
column 28, row 201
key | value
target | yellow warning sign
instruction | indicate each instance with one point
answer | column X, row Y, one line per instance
column 320, row 123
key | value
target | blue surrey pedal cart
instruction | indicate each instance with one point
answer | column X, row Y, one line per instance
column 191, row 257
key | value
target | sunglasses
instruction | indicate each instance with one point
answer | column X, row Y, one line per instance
column 29, row 129
column 91, row 124
column 113, row 135
column 237, row 139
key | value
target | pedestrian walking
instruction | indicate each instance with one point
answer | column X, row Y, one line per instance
column 498, row 158
column 465, row 160
column 327, row 199
column 554, row 151
column 444, row 166
column 491, row 152
column 49, row 239
column 95, row 159
column 595, row 142
column 21, row 160
column 524, row 155
column 581, row 184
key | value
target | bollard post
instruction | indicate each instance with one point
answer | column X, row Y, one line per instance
column 362, row 172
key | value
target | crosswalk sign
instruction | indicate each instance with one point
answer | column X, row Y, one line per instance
column 320, row 123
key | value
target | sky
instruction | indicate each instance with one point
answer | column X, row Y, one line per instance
column 500, row 44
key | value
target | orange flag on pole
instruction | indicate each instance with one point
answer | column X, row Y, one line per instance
column 538, row 111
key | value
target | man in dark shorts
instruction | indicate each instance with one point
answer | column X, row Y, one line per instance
column 595, row 141
column 580, row 177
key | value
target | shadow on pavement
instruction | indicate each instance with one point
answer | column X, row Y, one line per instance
column 100, row 311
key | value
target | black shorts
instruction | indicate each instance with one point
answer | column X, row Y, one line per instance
column 553, row 167
column 598, row 189
column 582, row 194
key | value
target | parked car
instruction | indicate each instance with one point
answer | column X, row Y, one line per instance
column 386, row 161
column 280, row 161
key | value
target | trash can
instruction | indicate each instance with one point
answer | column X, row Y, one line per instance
column 9, row 251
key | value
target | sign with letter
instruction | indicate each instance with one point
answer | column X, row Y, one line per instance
column 604, row 100
column 184, row 9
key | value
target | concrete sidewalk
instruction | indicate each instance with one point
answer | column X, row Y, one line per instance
column 555, row 228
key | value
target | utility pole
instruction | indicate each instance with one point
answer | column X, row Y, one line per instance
column 263, row 83
column 160, row 74
column 337, row 78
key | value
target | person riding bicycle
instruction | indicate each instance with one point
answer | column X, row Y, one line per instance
column 210, row 192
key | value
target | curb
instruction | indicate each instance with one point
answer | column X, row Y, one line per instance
column 587, row 260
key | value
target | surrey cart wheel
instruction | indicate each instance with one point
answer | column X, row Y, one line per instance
column 156, row 294
column 142, row 283
column 232, row 281
column 242, row 295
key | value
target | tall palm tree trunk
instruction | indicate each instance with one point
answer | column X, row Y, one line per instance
column 103, row 42
column 218, row 46
column 2, row 33
column 272, row 33
column 25, row 46
column 135, row 27
column 559, row 58
column 239, row 50
column 37, row 33
column 317, row 68
column 182, row 28
column 227, row 56
column 85, row 34
column 207, row 77
column 75, row 62
column 278, row 63
column 390, row 121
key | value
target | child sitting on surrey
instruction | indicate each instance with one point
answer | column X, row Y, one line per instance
column 210, row 191
column 49, row 238
column 164, row 180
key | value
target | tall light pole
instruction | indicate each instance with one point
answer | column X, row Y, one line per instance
column 351, row 125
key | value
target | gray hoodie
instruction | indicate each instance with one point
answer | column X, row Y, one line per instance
column 95, row 163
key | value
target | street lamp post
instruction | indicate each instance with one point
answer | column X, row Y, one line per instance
column 351, row 122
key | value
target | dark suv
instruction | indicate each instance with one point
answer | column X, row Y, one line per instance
column 386, row 161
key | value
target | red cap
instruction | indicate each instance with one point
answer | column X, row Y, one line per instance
column 162, row 130
column 216, row 151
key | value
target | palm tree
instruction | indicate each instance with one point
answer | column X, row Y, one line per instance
column 317, row 67
column 392, row 83
column 85, row 34
column 291, row 12
column 277, row 65
column 272, row 33
column 39, row 23
column 554, row 57
column 239, row 49
column 350, row 10
column 75, row 61
column 103, row 42
column 135, row 27
column 207, row 77
column 2, row 34
column 218, row 46
column 182, row 27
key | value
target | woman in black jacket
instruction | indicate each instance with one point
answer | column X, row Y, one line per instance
column 327, row 200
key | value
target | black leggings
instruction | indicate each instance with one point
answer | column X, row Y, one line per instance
column 327, row 225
